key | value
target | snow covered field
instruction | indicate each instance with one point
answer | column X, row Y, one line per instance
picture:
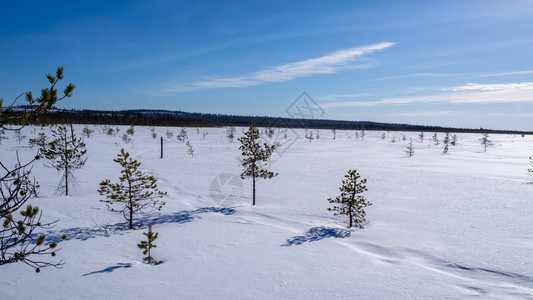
column 441, row 226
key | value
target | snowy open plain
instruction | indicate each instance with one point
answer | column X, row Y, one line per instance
column 441, row 226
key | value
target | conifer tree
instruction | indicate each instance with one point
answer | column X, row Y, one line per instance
column 87, row 131
column 66, row 153
column 190, row 149
column 148, row 245
column 130, row 130
column 230, row 133
column 409, row 148
column 19, row 221
column 169, row 133
column 435, row 139
column 19, row 136
column 40, row 140
column 453, row 140
column 421, row 136
column 350, row 203
column 485, row 141
column 182, row 136
column 255, row 157
column 135, row 193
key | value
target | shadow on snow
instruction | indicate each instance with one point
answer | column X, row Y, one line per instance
column 316, row 234
column 110, row 269
column 179, row 217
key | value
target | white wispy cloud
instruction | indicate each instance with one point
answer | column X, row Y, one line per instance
column 415, row 75
column 506, row 73
column 469, row 93
column 327, row 64
column 423, row 113
column 342, row 96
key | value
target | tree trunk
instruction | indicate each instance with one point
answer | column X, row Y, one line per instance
column 131, row 215
column 66, row 180
column 350, row 215
column 253, row 188
column 66, row 165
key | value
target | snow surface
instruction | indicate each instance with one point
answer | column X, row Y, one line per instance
column 441, row 226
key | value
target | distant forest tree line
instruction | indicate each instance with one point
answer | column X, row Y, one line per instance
column 145, row 117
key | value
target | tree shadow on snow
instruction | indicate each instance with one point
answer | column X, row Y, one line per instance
column 110, row 269
column 316, row 234
column 85, row 233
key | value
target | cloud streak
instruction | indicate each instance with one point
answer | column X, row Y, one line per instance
column 327, row 64
column 469, row 93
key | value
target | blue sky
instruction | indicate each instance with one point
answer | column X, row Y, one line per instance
column 450, row 63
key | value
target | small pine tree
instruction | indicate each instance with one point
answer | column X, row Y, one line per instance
column 453, row 140
column 255, row 157
column 110, row 131
column 383, row 136
column 169, row 134
column 435, row 139
column 19, row 136
column 130, row 130
column 446, row 142
column 40, row 140
column 154, row 134
column 148, row 245
column 136, row 193
column 230, row 133
column 485, row 141
column 86, row 131
column 421, row 136
column 409, row 148
column 65, row 153
column 309, row 135
column 182, row 136
column 126, row 138
column 190, row 149
column 269, row 131
column 349, row 202
column 334, row 133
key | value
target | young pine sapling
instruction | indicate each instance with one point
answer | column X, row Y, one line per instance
column 350, row 202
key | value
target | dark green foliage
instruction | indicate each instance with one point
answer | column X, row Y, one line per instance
column 40, row 140
column 65, row 153
column 136, row 193
column 349, row 202
column 37, row 106
column 18, row 242
column 130, row 130
column 148, row 245
column 255, row 157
